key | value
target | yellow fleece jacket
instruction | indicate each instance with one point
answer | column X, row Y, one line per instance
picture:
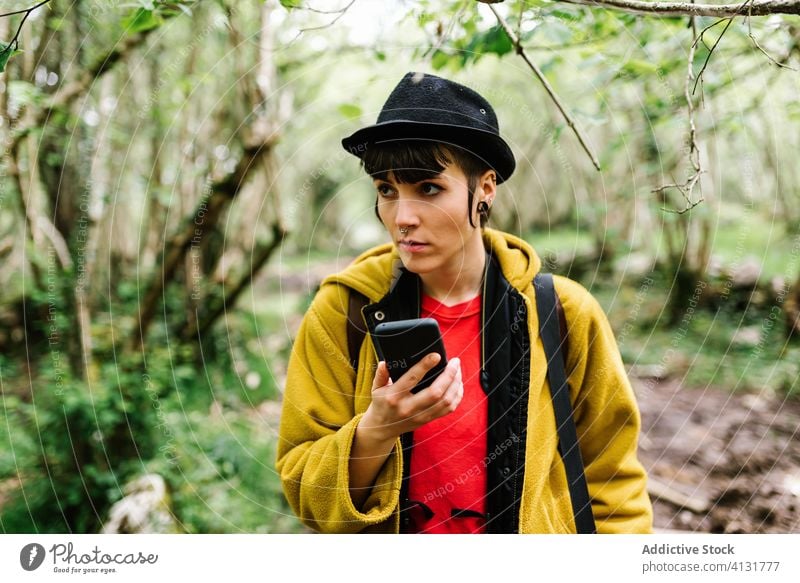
column 324, row 400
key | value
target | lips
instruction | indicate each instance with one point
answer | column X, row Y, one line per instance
column 411, row 246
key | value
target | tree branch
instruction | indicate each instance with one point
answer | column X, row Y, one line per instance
column 69, row 92
column 194, row 230
column 258, row 258
column 13, row 44
column 25, row 11
column 760, row 48
column 710, row 49
column 758, row 8
column 341, row 12
column 687, row 188
column 543, row 80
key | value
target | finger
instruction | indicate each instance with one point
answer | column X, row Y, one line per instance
column 449, row 401
column 433, row 394
column 414, row 375
column 454, row 394
column 444, row 400
column 381, row 376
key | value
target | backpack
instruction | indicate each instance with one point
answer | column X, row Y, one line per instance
column 554, row 337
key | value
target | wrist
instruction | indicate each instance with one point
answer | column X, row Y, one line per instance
column 374, row 433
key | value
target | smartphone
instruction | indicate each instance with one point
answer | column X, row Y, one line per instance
column 403, row 343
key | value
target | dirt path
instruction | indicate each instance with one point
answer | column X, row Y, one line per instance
column 735, row 458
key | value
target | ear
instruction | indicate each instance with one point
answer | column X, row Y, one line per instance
column 487, row 183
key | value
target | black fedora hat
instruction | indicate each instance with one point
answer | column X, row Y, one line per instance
column 427, row 107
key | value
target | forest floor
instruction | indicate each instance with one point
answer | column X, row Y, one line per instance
column 724, row 462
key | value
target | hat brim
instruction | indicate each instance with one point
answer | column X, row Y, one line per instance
column 487, row 146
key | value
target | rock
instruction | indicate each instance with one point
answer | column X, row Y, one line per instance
column 756, row 403
column 747, row 336
column 635, row 264
column 746, row 273
column 716, row 266
column 778, row 285
column 648, row 371
column 145, row 509
column 792, row 484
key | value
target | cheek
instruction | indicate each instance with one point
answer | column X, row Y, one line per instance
column 455, row 215
column 382, row 211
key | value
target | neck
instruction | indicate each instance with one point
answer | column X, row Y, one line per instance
column 458, row 283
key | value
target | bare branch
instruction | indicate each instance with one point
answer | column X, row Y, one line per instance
column 444, row 35
column 521, row 52
column 259, row 256
column 320, row 11
column 25, row 11
column 759, row 7
column 687, row 188
column 13, row 44
column 49, row 230
column 324, row 26
column 710, row 49
column 760, row 48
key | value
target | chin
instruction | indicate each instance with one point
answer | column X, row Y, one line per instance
column 416, row 265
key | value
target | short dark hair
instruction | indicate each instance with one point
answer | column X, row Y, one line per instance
column 414, row 161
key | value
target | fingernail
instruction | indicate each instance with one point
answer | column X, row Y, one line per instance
column 455, row 362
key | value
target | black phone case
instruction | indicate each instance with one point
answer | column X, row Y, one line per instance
column 403, row 343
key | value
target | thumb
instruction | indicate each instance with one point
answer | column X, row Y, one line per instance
column 381, row 376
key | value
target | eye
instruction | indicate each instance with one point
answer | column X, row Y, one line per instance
column 385, row 190
column 429, row 189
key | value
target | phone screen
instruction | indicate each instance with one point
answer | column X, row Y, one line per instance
column 404, row 343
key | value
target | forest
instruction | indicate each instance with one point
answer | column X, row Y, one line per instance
column 173, row 190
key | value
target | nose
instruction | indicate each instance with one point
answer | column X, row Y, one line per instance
column 406, row 213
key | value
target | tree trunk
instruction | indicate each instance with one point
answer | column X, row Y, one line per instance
column 193, row 231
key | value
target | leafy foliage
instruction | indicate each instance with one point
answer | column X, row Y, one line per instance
column 6, row 52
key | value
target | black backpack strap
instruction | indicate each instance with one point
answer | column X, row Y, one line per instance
column 356, row 329
column 547, row 307
column 562, row 325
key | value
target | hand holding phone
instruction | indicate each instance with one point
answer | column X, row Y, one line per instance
column 395, row 410
column 404, row 343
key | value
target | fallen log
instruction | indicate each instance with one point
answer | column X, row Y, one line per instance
column 663, row 492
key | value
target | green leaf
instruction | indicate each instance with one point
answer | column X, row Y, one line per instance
column 496, row 41
column 56, row 24
column 5, row 54
column 557, row 132
column 142, row 20
column 289, row 4
column 568, row 13
column 350, row 110
column 439, row 60
column 637, row 67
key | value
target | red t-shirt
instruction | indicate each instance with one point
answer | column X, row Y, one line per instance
column 448, row 473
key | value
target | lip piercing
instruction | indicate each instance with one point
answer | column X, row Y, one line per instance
column 403, row 230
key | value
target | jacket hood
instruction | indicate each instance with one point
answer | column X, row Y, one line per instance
column 373, row 272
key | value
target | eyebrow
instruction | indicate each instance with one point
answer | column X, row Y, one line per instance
column 437, row 176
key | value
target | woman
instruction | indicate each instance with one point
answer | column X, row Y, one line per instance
column 478, row 450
